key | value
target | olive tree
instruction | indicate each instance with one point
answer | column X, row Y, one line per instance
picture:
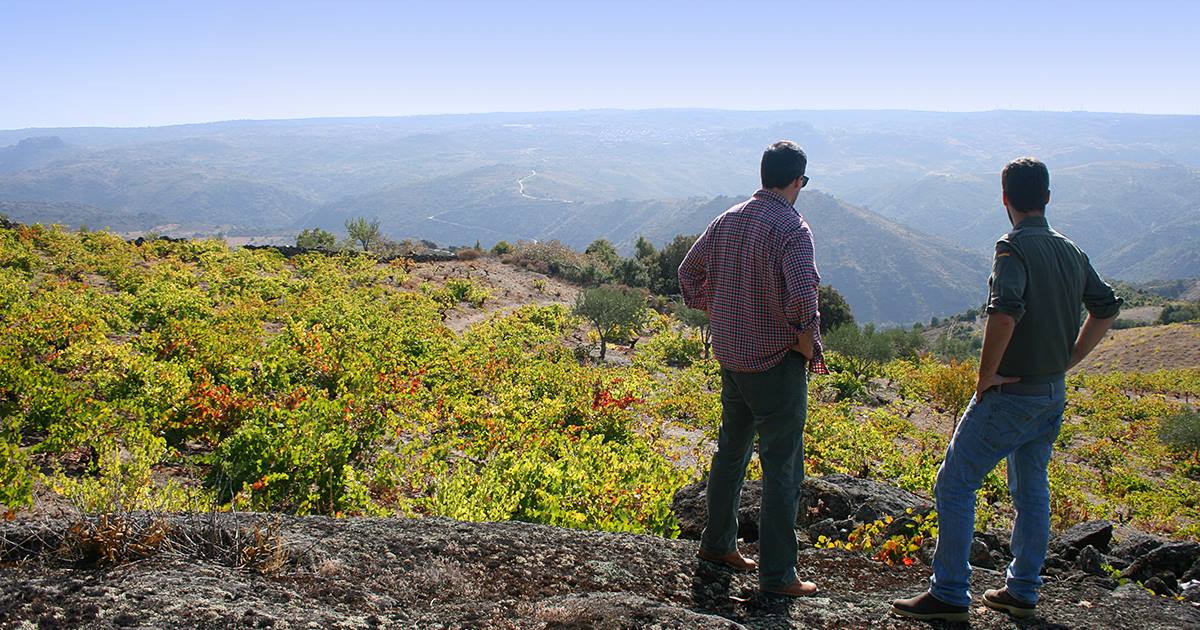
column 697, row 319
column 610, row 309
column 363, row 232
column 316, row 238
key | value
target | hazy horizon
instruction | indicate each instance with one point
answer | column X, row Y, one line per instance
column 598, row 110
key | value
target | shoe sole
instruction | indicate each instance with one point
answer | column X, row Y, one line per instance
column 727, row 565
column 791, row 595
column 1016, row 611
column 962, row 616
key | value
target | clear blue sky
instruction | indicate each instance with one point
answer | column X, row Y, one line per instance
column 162, row 62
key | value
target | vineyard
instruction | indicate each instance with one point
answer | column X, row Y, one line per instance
column 188, row 376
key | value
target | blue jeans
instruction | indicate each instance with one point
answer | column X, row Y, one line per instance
column 1001, row 424
column 772, row 404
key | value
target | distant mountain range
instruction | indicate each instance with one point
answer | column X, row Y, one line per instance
column 1126, row 187
column 1137, row 221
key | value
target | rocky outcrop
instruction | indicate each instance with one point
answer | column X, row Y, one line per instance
column 830, row 505
column 438, row 573
column 834, row 505
column 1097, row 534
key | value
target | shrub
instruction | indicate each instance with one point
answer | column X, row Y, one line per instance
column 298, row 460
column 697, row 319
column 1181, row 431
column 16, row 477
column 501, row 248
column 671, row 348
column 316, row 238
column 457, row 290
column 872, row 344
column 1174, row 313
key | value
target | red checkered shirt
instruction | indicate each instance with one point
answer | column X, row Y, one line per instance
column 753, row 272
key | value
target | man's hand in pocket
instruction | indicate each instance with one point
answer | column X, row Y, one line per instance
column 805, row 344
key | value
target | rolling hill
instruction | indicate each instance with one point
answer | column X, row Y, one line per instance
column 1126, row 186
column 1137, row 221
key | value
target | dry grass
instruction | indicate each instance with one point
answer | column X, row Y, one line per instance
column 1146, row 349
column 120, row 538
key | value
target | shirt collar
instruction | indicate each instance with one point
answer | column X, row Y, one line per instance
column 770, row 195
column 1037, row 220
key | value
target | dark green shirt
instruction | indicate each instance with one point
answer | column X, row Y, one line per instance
column 1041, row 278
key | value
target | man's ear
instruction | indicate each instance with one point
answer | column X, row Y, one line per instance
column 1004, row 199
column 1047, row 197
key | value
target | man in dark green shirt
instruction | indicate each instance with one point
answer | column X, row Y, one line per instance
column 1040, row 280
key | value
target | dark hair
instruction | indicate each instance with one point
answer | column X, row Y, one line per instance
column 782, row 163
column 1026, row 183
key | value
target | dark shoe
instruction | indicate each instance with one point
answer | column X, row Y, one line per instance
column 926, row 607
column 1004, row 602
column 733, row 560
column 799, row 588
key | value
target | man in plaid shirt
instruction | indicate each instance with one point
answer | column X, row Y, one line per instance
column 753, row 272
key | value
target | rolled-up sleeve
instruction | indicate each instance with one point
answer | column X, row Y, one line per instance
column 693, row 274
column 1098, row 297
column 1006, row 286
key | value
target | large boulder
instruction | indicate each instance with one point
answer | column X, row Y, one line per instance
column 1091, row 561
column 835, row 498
column 1173, row 557
column 691, row 510
column 863, row 500
column 1132, row 544
column 1097, row 534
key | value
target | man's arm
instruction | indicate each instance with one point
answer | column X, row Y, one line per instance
column 693, row 276
column 1103, row 305
column 1092, row 332
column 1006, row 306
column 800, row 280
column 997, row 332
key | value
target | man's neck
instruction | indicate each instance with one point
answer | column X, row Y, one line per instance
column 1016, row 217
column 786, row 193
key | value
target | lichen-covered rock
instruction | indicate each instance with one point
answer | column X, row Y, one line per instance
column 1175, row 557
column 439, row 573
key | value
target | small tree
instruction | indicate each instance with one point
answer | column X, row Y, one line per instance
column 835, row 311
column 610, row 309
column 644, row 250
column 501, row 248
column 316, row 238
column 697, row 319
column 632, row 272
column 669, row 259
column 363, row 232
column 603, row 250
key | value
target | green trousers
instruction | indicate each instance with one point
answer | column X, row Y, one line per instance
column 772, row 405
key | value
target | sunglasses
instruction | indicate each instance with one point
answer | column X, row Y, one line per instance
column 803, row 181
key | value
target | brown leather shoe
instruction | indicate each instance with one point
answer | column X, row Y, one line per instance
column 926, row 607
column 799, row 588
column 1004, row 601
column 734, row 560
